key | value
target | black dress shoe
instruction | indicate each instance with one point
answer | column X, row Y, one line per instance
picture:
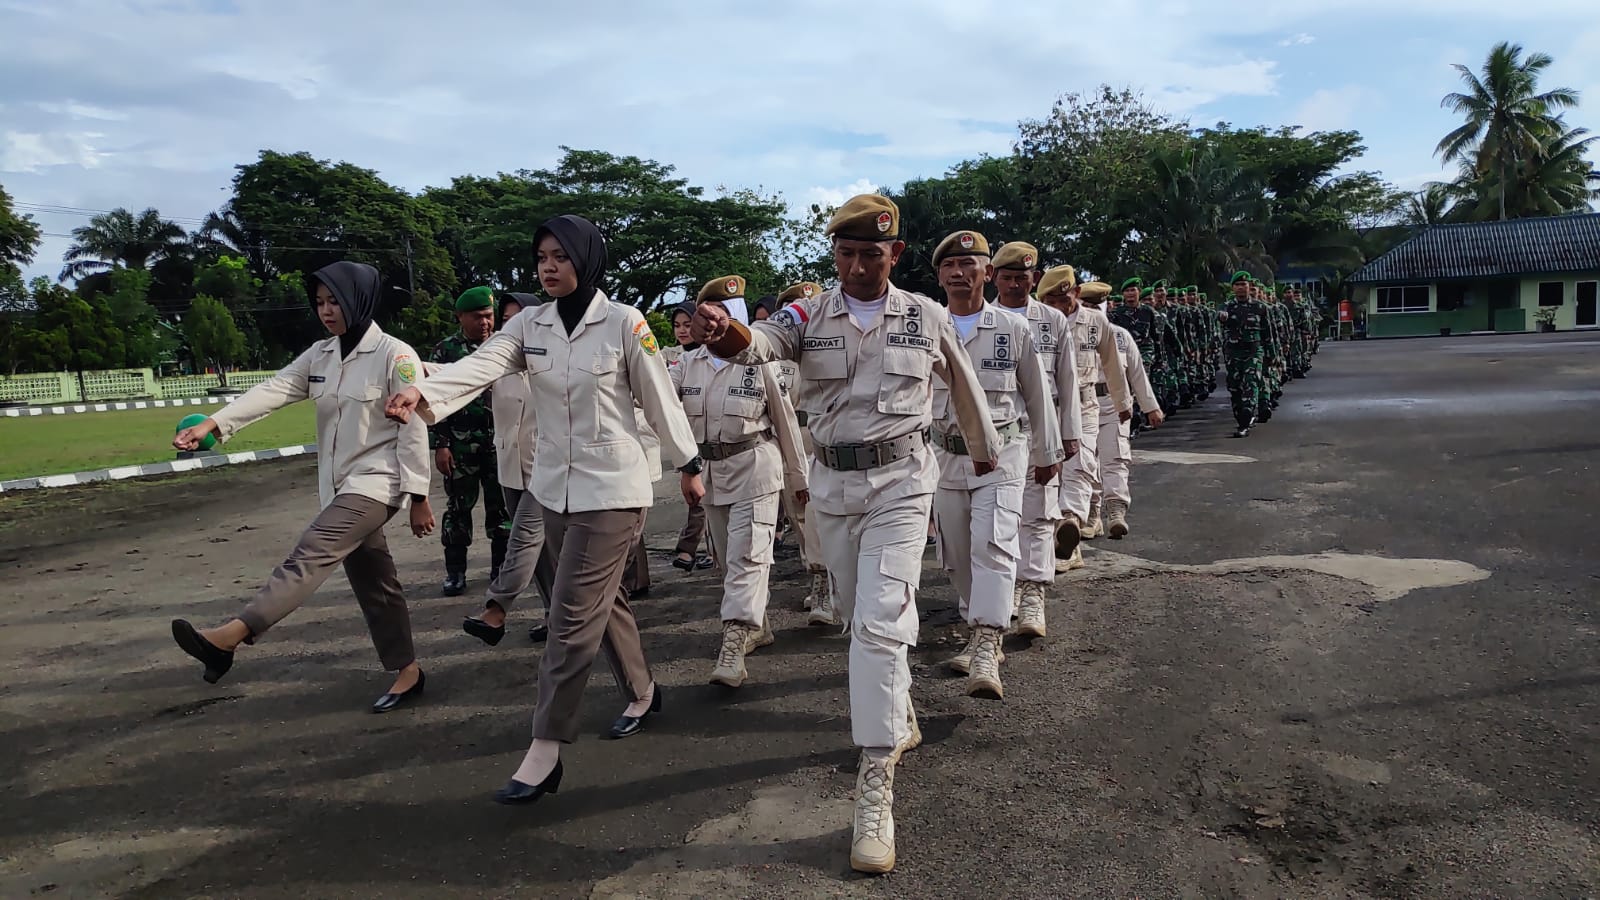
column 455, row 584
column 217, row 661
column 515, row 793
column 539, row 633
column 704, row 561
column 679, row 562
column 628, row 726
column 390, row 701
column 483, row 631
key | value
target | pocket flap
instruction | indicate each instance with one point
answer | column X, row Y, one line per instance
column 901, row 565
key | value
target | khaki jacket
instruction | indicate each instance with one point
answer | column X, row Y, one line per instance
column 1012, row 375
column 1133, row 363
column 588, row 452
column 1052, row 338
column 739, row 403
column 359, row 451
column 1096, row 354
column 868, row 387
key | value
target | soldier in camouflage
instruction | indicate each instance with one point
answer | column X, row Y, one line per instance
column 1140, row 322
column 463, row 450
column 1244, row 324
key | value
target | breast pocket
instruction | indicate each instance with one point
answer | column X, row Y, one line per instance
column 605, row 362
column 824, row 365
column 996, row 380
column 904, row 390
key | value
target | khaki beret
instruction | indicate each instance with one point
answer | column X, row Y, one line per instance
column 1017, row 255
column 961, row 243
column 805, row 290
column 1094, row 291
column 719, row 289
column 1058, row 279
column 866, row 217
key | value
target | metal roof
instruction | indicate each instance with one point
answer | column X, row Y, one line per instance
column 1492, row 249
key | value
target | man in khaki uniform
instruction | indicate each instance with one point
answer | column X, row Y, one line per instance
column 868, row 352
column 747, row 435
column 1116, row 450
column 1015, row 276
column 819, row 602
column 978, row 517
column 1099, row 375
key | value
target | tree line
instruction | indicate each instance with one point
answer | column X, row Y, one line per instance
column 1103, row 181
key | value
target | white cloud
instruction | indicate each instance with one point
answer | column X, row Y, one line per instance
column 30, row 152
column 1328, row 109
column 1297, row 40
column 826, row 197
column 74, row 110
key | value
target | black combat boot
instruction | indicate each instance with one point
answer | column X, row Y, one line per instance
column 455, row 571
column 1244, row 426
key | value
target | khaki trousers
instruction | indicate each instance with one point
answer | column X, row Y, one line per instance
column 588, row 609
column 978, row 545
column 1041, row 509
column 1078, row 481
column 741, row 538
column 349, row 531
column 805, row 524
column 1116, row 458
column 875, row 560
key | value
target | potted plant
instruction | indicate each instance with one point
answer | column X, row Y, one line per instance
column 1546, row 317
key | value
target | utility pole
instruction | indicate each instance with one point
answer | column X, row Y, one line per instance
column 411, row 275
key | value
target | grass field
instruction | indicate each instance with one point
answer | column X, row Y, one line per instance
column 56, row 445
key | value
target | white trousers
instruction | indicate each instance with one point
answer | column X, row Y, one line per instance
column 741, row 536
column 805, row 524
column 1116, row 458
column 979, row 546
column 875, row 560
column 1077, row 481
column 1041, row 509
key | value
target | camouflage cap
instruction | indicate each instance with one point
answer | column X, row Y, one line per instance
column 718, row 289
column 1094, row 292
column 866, row 217
column 804, row 290
column 475, row 298
column 1058, row 280
column 960, row 243
column 1017, row 255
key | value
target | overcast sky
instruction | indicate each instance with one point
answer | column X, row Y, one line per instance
column 121, row 103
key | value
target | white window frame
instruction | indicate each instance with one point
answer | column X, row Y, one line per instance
column 1377, row 300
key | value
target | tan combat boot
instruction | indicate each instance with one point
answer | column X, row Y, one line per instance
column 1091, row 528
column 760, row 637
column 737, row 638
column 1076, row 562
column 1116, row 519
column 984, row 678
column 872, row 845
column 913, row 737
column 1030, row 609
column 822, row 613
column 1068, row 535
column 962, row 662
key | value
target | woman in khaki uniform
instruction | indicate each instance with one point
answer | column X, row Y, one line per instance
column 589, row 363
column 748, row 436
column 367, row 468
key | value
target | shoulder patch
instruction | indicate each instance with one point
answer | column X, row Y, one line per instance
column 790, row 316
column 646, row 337
column 405, row 368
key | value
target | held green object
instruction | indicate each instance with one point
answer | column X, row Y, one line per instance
column 192, row 420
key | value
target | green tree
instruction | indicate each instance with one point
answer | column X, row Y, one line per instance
column 19, row 237
column 425, row 321
column 126, row 305
column 1435, row 204
column 213, row 336
column 120, row 238
column 23, row 346
column 1205, row 215
column 1506, row 116
column 92, row 340
column 308, row 213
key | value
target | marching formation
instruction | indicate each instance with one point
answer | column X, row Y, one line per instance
column 863, row 415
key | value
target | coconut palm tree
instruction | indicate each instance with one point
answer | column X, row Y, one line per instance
column 226, row 232
column 119, row 238
column 1556, row 178
column 1205, row 213
column 1505, row 113
column 1435, row 204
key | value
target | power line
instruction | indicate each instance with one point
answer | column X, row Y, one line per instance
column 88, row 213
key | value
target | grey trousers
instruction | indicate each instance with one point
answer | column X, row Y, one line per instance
column 348, row 531
column 588, row 609
column 694, row 529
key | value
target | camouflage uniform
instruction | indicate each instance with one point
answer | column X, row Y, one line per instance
column 1169, row 370
column 469, row 435
column 1140, row 322
column 1244, row 325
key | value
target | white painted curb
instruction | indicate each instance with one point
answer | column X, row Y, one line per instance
column 203, row 461
column 18, row 412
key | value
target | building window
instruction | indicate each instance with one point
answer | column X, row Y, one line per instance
column 1409, row 298
column 1552, row 293
column 1452, row 297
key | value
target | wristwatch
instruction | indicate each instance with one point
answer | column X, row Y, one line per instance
column 694, row 466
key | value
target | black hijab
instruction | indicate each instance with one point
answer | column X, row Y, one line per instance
column 686, row 306
column 587, row 250
column 356, row 287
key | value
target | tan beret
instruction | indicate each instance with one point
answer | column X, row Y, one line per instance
column 805, row 290
column 1093, row 291
column 719, row 289
column 866, row 217
column 1017, row 255
column 1059, row 278
column 961, row 243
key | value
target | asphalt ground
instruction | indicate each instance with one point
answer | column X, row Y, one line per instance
column 1351, row 655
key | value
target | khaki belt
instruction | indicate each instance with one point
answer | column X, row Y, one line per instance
column 857, row 457
column 716, row 450
column 953, row 442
